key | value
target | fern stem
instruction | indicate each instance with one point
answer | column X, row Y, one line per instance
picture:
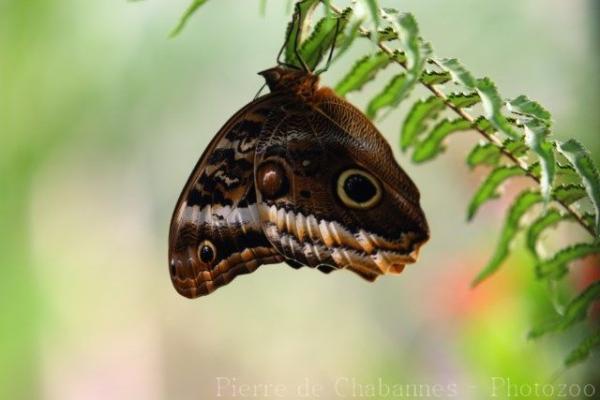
column 364, row 32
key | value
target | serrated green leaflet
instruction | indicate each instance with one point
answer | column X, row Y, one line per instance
column 345, row 40
column 566, row 171
column 193, row 7
column 322, row 37
column 459, row 73
column 411, row 43
column 510, row 229
column 422, row 112
column 387, row 34
column 556, row 266
column 523, row 106
column 489, row 188
column 492, row 105
column 516, row 147
column 569, row 193
column 535, row 138
column 575, row 311
column 549, row 219
column 298, row 29
column 401, row 85
column 433, row 145
column 435, row 77
column 463, row 100
column 582, row 352
column 584, row 165
column 484, row 154
column 391, row 95
column 490, row 154
column 484, row 125
column 362, row 72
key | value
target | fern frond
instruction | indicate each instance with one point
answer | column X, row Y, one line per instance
column 433, row 144
column 489, row 188
column 421, row 113
column 575, row 312
column 363, row 71
column 510, row 229
column 580, row 159
column 556, row 267
column 582, row 352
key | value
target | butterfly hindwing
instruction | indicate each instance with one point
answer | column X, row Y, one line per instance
column 318, row 148
column 215, row 232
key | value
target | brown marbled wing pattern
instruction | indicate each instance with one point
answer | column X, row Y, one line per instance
column 315, row 141
column 218, row 204
column 301, row 138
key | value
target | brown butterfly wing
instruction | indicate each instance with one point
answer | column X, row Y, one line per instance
column 311, row 144
column 215, row 232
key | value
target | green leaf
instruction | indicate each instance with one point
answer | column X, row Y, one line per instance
column 575, row 312
column 549, row 219
column 489, row 154
column 433, row 143
column 362, row 72
column 484, row 125
column 387, row 34
column 411, row 43
column 582, row 352
column 580, row 158
column 435, row 77
column 489, row 188
column 346, row 39
column 523, row 106
column 556, row 267
column 535, row 138
column 464, row 100
column 459, row 74
column 417, row 119
column 322, row 37
column 263, row 7
column 192, row 8
column 298, row 29
column 391, row 95
column 511, row 227
column 401, row 85
column 569, row 193
column 588, row 218
column 484, row 154
column 492, row 105
column 516, row 147
column 566, row 171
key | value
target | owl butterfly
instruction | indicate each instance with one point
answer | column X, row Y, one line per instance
column 298, row 176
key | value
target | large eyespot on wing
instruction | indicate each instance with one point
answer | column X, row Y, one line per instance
column 348, row 203
column 358, row 189
column 215, row 233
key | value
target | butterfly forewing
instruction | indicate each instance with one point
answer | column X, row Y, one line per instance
column 215, row 232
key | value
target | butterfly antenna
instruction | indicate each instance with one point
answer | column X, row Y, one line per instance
column 260, row 90
column 287, row 38
column 297, row 40
column 330, row 56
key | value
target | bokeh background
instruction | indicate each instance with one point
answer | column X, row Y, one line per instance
column 102, row 118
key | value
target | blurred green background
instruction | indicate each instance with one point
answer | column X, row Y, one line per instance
column 102, row 119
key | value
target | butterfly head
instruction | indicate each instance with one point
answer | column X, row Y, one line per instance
column 284, row 79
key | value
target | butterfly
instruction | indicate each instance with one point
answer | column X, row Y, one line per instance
column 299, row 176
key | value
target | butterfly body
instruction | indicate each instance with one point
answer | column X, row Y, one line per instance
column 301, row 176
